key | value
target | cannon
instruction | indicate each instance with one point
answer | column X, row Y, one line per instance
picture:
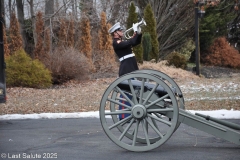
column 154, row 111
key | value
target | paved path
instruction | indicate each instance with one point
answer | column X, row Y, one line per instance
column 84, row 139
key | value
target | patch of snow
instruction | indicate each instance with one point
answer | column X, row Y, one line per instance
column 208, row 98
column 221, row 114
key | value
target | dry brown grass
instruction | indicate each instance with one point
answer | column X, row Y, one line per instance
column 173, row 72
column 200, row 93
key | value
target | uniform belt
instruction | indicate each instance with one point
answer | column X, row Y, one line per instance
column 127, row 56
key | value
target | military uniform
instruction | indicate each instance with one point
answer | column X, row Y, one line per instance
column 123, row 49
column 128, row 62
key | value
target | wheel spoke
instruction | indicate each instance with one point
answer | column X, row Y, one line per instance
column 118, row 112
column 150, row 94
column 145, row 132
column 160, row 110
column 154, row 123
column 132, row 91
column 154, row 128
column 156, row 101
column 142, row 90
column 160, row 120
column 159, row 116
column 126, row 129
column 155, row 104
column 125, row 96
column 120, row 122
column 146, row 124
column 121, row 99
column 135, row 133
column 121, row 104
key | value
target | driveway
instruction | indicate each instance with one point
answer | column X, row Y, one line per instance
column 84, row 139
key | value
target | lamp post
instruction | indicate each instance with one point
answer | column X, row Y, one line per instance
column 199, row 13
column 197, row 49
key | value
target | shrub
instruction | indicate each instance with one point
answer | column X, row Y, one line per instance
column 22, row 71
column 105, row 64
column 39, row 52
column 15, row 36
column 147, row 46
column 176, row 59
column 151, row 29
column 187, row 49
column 68, row 64
column 222, row 54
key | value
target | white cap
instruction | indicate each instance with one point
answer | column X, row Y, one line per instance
column 114, row 28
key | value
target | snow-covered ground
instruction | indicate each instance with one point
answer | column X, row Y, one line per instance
column 221, row 114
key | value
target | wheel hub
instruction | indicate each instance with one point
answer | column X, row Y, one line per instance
column 139, row 111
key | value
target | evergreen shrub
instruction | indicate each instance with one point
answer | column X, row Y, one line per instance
column 187, row 49
column 147, row 46
column 176, row 59
column 22, row 71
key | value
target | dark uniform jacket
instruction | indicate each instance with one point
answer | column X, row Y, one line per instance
column 124, row 48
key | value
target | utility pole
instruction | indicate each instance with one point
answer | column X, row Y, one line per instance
column 2, row 63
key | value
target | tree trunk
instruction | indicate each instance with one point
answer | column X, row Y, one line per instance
column 76, row 9
column 3, row 11
column 65, row 6
column 20, row 14
column 73, row 8
column 49, row 11
column 33, row 19
column 10, row 8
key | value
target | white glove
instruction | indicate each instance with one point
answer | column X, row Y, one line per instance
column 139, row 30
column 135, row 27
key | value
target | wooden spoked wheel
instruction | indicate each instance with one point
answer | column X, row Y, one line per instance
column 171, row 83
column 146, row 127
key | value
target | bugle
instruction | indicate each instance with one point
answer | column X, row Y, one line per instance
column 139, row 24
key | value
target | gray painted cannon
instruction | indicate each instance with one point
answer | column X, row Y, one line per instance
column 155, row 111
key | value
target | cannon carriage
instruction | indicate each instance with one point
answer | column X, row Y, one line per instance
column 155, row 109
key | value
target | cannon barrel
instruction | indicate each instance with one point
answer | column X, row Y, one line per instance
column 147, row 86
column 222, row 122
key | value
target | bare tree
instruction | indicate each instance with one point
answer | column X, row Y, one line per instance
column 73, row 4
column 3, row 10
column 11, row 6
column 49, row 11
column 65, row 5
column 116, row 11
column 2, row 6
column 88, row 9
column 20, row 14
column 175, row 22
column 33, row 19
